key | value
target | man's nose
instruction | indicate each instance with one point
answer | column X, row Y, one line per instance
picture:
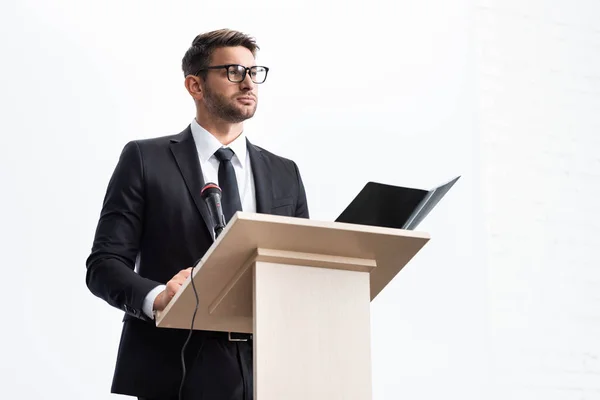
column 247, row 83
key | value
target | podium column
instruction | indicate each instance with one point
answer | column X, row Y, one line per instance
column 311, row 327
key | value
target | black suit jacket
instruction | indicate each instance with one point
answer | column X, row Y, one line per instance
column 153, row 220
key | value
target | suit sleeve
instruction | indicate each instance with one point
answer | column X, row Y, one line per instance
column 301, row 204
column 110, row 266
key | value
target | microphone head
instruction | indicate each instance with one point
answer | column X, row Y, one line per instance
column 210, row 188
column 211, row 194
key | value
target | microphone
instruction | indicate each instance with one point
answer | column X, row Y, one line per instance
column 211, row 193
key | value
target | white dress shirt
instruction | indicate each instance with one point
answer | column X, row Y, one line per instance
column 206, row 146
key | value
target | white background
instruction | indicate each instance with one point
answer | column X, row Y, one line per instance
column 502, row 303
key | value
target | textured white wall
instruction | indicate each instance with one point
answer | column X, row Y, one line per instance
column 538, row 70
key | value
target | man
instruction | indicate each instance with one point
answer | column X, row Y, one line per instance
column 153, row 218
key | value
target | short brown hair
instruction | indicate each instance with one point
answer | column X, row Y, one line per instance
column 199, row 54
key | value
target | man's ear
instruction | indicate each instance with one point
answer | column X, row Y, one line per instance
column 193, row 86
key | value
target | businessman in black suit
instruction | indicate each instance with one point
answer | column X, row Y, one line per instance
column 154, row 225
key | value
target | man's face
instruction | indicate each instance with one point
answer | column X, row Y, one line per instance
column 229, row 101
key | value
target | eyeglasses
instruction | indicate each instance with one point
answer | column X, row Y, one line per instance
column 237, row 73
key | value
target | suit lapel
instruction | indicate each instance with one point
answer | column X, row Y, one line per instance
column 184, row 150
column 262, row 178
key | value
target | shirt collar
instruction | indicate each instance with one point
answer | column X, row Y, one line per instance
column 207, row 144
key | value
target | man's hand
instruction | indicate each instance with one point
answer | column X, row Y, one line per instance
column 173, row 286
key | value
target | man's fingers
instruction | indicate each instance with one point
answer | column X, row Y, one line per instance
column 175, row 283
column 185, row 272
column 172, row 288
column 181, row 277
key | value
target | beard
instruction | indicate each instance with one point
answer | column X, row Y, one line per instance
column 227, row 109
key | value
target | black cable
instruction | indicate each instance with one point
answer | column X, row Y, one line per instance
column 189, row 335
column 211, row 193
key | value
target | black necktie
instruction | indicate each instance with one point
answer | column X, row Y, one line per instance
column 230, row 198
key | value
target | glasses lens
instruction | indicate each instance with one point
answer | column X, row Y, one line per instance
column 258, row 74
column 235, row 73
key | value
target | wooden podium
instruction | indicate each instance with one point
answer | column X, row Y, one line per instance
column 303, row 289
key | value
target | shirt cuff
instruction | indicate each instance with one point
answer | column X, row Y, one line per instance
column 148, row 305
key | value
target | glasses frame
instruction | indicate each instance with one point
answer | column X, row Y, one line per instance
column 246, row 70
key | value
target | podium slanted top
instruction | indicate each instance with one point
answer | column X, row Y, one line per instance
column 381, row 251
